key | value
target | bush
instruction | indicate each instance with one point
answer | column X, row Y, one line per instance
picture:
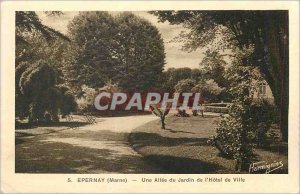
column 68, row 104
column 209, row 89
column 236, row 131
column 185, row 85
column 264, row 114
column 47, row 117
column 235, row 136
column 182, row 113
column 85, row 103
column 37, row 93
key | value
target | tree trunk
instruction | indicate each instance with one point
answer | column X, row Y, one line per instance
column 278, row 48
column 163, row 125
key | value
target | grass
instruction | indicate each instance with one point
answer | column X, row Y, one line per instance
column 23, row 128
column 183, row 147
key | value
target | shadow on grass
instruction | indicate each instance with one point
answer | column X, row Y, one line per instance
column 153, row 139
column 178, row 131
column 71, row 124
column 181, row 165
column 174, row 164
column 276, row 148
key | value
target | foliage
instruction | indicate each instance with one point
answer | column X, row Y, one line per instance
column 185, row 85
column 36, row 42
column 86, row 101
column 51, row 52
column 235, row 132
column 110, row 87
column 68, row 102
column 212, row 87
column 264, row 115
column 265, row 31
column 37, row 84
column 123, row 48
column 29, row 22
column 209, row 90
column 37, row 78
column 22, row 102
column 172, row 76
column 82, row 104
column 213, row 67
column 37, row 93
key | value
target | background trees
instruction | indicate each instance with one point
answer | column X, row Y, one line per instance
column 213, row 67
column 123, row 48
column 185, row 85
column 172, row 76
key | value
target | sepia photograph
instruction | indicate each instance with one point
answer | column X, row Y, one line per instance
column 152, row 92
column 149, row 97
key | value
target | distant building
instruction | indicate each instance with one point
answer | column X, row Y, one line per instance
column 263, row 92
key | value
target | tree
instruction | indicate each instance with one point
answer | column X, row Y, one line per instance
column 213, row 67
column 172, row 76
column 184, row 86
column 161, row 114
column 31, row 34
column 28, row 22
column 196, row 74
column 38, row 59
column 40, row 49
column 123, row 48
column 266, row 31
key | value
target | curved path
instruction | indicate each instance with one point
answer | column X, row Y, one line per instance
column 99, row 148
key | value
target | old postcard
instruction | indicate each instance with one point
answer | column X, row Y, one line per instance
column 149, row 97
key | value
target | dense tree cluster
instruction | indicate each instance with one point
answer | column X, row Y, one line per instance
column 172, row 76
column 124, row 48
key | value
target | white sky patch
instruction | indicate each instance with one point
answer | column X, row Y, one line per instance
column 175, row 57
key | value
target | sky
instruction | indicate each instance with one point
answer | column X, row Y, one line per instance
column 175, row 57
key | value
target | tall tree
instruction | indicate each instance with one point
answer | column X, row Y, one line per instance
column 266, row 32
column 124, row 48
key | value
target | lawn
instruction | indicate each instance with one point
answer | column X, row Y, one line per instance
column 183, row 147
